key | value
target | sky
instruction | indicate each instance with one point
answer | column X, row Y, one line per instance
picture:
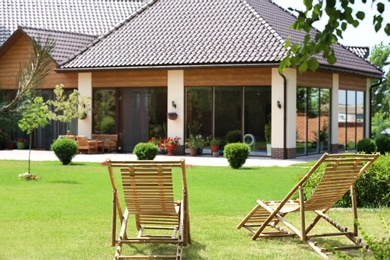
column 364, row 35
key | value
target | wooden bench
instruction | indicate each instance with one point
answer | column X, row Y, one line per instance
column 107, row 141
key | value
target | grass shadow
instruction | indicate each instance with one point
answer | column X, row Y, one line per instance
column 191, row 251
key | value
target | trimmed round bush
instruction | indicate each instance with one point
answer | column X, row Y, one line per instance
column 145, row 151
column 383, row 144
column 64, row 149
column 366, row 145
column 236, row 154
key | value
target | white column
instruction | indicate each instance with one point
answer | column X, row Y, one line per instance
column 291, row 76
column 278, row 117
column 175, row 128
column 85, row 89
column 334, row 117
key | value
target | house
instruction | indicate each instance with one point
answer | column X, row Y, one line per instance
column 214, row 64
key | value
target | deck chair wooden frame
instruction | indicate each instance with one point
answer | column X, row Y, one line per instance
column 148, row 194
column 340, row 171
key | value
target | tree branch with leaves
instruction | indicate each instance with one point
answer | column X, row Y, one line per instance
column 340, row 16
column 67, row 108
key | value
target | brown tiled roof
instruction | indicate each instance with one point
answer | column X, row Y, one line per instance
column 179, row 33
column 66, row 44
column 92, row 17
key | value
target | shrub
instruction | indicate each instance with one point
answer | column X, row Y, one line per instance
column 383, row 144
column 233, row 136
column 145, row 151
column 373, row 187
column 236, row 154
column 64, row 149
column 366, row 145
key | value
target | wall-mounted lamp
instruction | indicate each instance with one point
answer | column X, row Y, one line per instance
column 173, row 104
column 279, row 104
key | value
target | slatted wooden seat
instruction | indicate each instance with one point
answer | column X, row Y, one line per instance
column 148, row 194
column 339, row 173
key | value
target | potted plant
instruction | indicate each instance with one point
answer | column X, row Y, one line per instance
column 20, row 142
column 10, row 144
column 192, row 145
column 169, row 144
column 267, row 136
column 214, row 145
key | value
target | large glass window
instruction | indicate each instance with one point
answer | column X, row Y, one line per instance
column 199, row 110
column 135, row 114
column 312, row 120
column 229, row 113
column 350, row 118
column 104, row 108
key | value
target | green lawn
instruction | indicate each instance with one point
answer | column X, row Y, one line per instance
column 67, row 213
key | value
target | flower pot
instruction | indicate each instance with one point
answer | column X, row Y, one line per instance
column 172, row 115
column 11, row 146
column 214, row 148
column 20, row 144
column 170, row 149
column 193, row 151
column 268, row 149
column 200, row 151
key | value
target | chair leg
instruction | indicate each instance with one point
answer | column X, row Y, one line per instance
column 113, row 229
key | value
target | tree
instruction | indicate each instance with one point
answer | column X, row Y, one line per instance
column 68, row 108
column 34, row 113
column 31, row 76
column 380, row 56
column 340, row 17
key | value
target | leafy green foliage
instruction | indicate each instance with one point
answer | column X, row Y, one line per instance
column 383, row 144
column 340, row 17
column 366, row 145
column 64, row 149
column 236, row 154
column 380, row 56
column 145, row 151
column 33, row 115
column 380, row 247
column 373, row 187
column 68, row 108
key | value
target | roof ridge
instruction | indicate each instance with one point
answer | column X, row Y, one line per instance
column 112, row 30
column 263, row 21
column 267, row 26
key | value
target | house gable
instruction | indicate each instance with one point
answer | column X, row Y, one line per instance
column 15, row 52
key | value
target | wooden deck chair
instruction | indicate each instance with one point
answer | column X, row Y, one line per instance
column 339, row 173
column 148, row 195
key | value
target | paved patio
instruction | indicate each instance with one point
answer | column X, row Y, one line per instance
column 205, row 160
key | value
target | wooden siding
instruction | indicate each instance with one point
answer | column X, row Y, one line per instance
column 318, row 79
column 350, row 82
column 133, row 78
column 228, row 77
column 18, row 54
